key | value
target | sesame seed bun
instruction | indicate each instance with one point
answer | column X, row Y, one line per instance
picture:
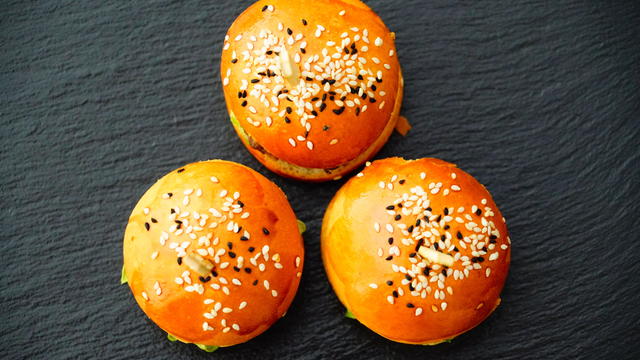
column 314, row 88
column 416, row 282
column 213, row 254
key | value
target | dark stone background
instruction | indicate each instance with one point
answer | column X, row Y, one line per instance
column 540, row 100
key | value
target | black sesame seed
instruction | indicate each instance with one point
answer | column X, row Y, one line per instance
column 412, row 254
column 240, row 203
column 455, row 248
column 390, row 241
column 418, row 222
column 435, row 245
column 147, row 226
column 480, row 259
column 170, row 194
column 395, row 293
column 478, row 212
column 492, row 241
column 255, row 282
column 401, row 181
column 492, row 237
column 314, row 113
column 308, row 78
column 303, row 50
column 390, row 207
column 443, row 238
column 398, row 217
column 446, row 227
column 251, row 249
column 459, row 235
column 289, row 110
column 410, row 305
column 338, row 111
column 232, row 254
column 264, row 8
column 388, row 258
column 372, row 100
column 410, row 229
column 444, row 272
column 214, row 273
column 426, row 271
column 180, row 170
column 173, row 211
column 233, row 61
column 204, row 279
column 446, row 211
column 243, row 238
column 230, row 245
column 265, row 231
column 304, row 22
column 154, row 220
column 332, row 81
column 407, row 276
column 325, row 128
column 269, row 52
column 253, row 81
column 439, row 218
column 358, row 111
column 247, row 270
column 287, row 120
column 236, row 269
column 429, row 209
column 289, row 31
column 322, row 107
column 389, row 282
column 244, row 103
column 179, row 261
column 373, row 87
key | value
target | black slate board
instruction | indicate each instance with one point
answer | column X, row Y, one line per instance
column 539, row 100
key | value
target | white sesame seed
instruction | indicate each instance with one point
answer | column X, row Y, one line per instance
column 145, row 211
column 493, row 256
column 235, row 327
column 443, row 306
column 145, row 296
column 154, row 255
column 274, row 293
column 455, row 187
column 376, row 227
column 378, row 41
column 292, row 142
column 373, row 286
column 418, row 311
column 390, row 299
column 389, row 228
column 423, row 175
column 342, row 12
column 309, row 145
column 381, row 184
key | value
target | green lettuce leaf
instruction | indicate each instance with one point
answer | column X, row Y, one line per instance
column 302, row 227
column 207, row 348
column 349, row 314
column 123, row 277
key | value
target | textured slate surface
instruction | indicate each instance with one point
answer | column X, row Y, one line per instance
column 539, row 100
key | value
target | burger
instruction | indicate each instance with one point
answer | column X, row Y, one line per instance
column 213, row 254
column 313, row 87
column 416, row 250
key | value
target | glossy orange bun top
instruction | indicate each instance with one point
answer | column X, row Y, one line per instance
column 226, row 215
column 313, row 82
column 371, row 236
